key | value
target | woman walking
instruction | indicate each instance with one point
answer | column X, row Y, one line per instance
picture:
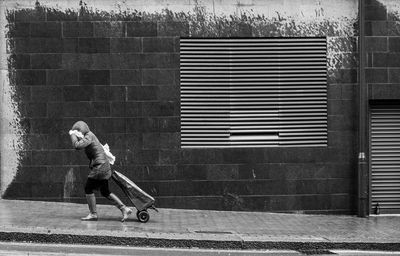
column 100, row 170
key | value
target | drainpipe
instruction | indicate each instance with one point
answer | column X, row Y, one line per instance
column 362, row 177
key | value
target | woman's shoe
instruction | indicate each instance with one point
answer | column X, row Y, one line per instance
column 126, row 211
column 90, row 217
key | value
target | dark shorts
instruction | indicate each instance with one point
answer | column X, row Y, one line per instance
column 93, row 184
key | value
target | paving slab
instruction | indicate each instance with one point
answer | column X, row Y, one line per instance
column 55, row 222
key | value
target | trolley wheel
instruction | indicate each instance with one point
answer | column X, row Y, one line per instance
column 143, row 216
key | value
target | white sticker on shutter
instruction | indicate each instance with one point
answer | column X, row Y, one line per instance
column 253, row 92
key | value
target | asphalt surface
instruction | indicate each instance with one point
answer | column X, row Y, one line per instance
column 33, row 249
column 73, row 250
column 50, row 222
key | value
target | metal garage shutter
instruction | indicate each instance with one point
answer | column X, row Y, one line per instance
column 385, row 159
column 253, row 92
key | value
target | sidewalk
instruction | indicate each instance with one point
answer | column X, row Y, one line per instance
column 51, row 222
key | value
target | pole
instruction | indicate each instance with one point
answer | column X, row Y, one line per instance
column 362, row 177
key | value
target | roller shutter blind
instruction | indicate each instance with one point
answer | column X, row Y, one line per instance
column 253, row 92
column 385, row 160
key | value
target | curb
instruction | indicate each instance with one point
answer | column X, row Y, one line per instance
column 190, row 243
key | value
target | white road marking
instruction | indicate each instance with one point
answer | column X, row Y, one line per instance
column 361, row 252
column 33, row 249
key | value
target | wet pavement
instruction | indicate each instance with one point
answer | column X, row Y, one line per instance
column 53, row 222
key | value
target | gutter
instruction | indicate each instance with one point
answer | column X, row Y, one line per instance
column 362, row 170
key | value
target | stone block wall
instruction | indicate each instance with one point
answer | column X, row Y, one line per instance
column 383, row 50
column 119, row 72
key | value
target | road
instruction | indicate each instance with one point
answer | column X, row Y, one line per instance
column 30, row 249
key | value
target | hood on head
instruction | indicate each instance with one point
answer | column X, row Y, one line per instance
column 81, row 126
